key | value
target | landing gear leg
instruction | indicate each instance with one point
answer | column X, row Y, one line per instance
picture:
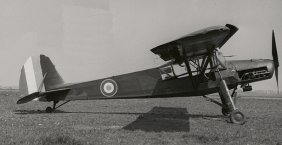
column 49, row 109
column 235, row 115
column 224, row 110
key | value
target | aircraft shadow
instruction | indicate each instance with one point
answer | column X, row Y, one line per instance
column 24, row 112
column 162, row 119
column 168, row 119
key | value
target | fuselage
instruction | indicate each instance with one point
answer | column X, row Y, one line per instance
column 150, row 84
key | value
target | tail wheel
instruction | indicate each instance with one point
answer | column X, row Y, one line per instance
column 49, row 110
column 237, row 117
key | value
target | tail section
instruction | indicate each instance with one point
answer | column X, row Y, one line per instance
column 38, row 74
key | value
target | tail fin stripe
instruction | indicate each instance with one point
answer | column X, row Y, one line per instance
column 38, row 73
column 30, row 76
column 41, row 87
column 23, row 84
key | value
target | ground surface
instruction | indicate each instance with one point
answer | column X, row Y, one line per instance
column 149, row 121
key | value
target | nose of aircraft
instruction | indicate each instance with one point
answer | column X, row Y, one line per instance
column 270, row 66
column 254, row 65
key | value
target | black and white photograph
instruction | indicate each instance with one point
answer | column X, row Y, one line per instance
column 140, row 72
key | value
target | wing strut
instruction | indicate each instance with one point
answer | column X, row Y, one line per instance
column 200, row 67
column 189, row 70
column 203, row 69
column 190, row 73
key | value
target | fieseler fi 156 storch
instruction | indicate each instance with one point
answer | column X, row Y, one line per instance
column 194, row 67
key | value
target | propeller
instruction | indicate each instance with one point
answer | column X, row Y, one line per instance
column 275, row 59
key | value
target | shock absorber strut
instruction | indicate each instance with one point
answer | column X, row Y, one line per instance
column 234, row 114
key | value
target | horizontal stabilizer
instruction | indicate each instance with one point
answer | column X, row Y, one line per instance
column 35, row 95
column 28, row 98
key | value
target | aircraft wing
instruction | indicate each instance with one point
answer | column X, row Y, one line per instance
column 196, row 44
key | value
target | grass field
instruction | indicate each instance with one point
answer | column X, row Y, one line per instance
column 170, row 121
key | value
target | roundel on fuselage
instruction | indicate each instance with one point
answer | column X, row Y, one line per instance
column 108, row 87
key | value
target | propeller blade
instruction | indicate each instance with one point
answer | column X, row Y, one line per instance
column 275, row 59
column 276, row 76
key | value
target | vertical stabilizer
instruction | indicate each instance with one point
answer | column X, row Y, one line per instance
column 53, row 78
column 38, row 74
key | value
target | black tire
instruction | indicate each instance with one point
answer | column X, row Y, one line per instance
column 237, row 117
column 225, row 111
column 49, row 110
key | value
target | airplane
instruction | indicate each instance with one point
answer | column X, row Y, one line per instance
column 194, row 66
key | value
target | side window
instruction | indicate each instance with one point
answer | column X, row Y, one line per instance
column 172, row 71
column 166, row 72
column 179, row 69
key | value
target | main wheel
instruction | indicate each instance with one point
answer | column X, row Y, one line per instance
column 225, row 111
column 237, row 117
column 49, row 110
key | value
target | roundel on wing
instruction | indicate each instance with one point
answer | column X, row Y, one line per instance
column 108, row 87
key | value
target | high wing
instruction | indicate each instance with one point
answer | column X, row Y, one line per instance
column 199, row 43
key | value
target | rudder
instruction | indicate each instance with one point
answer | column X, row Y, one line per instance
column 38, row 74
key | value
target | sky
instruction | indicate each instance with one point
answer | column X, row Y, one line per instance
column 92, row 39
